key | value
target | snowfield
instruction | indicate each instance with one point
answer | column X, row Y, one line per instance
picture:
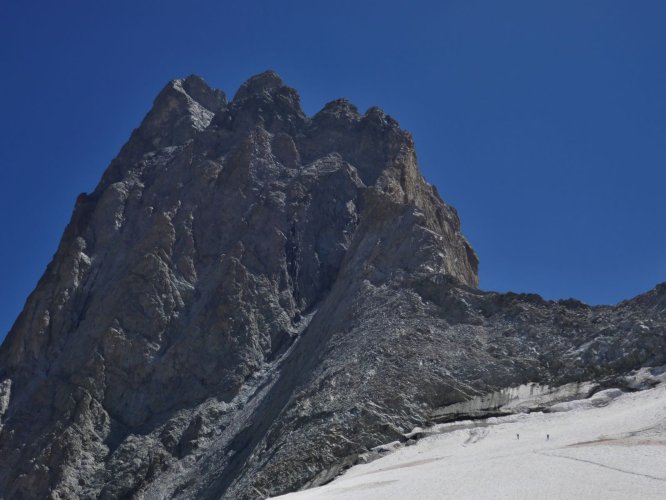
column 611, row 446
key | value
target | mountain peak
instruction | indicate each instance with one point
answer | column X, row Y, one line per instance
column 265, row 82
column 183, row 108
column 264, row 100
column 251, row 299
column 197, row 88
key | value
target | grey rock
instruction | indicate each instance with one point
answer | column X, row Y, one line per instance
column 522, row 399
column 252, row 299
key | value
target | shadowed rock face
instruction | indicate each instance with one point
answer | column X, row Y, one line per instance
column 252, row 297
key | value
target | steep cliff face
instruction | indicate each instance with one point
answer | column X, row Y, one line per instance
column 251, row 297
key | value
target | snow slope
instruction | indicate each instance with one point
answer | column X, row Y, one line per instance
column 610, row 446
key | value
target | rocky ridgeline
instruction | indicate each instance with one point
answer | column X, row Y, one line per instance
column 251, row 298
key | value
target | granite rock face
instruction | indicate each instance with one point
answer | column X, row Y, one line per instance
column 252, row 297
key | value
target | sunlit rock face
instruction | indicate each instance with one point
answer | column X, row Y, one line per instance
column 251, row 297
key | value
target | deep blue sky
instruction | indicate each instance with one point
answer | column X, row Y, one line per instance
column 544, row 123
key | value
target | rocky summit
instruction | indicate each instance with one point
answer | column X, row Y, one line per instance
column 252, row 298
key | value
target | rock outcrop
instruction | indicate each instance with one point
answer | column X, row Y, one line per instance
column 252, row 297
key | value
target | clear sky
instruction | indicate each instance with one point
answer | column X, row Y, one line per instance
column 542, row 122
